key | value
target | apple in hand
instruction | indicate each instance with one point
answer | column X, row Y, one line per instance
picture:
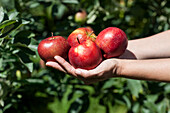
column 86, row 55
column 80, row 17
column 82, row 33
column 52, row 46
column 113, row 41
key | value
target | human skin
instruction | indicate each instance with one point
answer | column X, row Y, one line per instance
column 145, row 59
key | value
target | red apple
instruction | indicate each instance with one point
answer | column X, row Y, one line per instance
column 82, row 33
column 86, row 55
column 113, row 41
column 52, row 46
column 90, row 28
column 80, row 17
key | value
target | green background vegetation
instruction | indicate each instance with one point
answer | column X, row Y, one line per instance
column 26, row 87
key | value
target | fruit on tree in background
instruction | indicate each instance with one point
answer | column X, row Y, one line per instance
column 86, row 55
column 80, row 17
column 52, row 46
column 82, row 33
column 113, row 41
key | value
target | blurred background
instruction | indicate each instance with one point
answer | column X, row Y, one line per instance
column 28, row 86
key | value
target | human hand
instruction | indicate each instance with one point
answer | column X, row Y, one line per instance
column 103, row 71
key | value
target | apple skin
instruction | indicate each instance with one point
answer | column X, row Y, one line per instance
column 80, row 17
column 82, row 33
column 112, row 41
column 87, row 55
column 52, row 46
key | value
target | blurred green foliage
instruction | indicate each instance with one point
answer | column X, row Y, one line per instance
column 27, row 87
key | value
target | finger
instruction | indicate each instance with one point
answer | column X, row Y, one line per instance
column 55, row 65
column 67, row 66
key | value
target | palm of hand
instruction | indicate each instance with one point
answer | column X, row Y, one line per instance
column 105, row 70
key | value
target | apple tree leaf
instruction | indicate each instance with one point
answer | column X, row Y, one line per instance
column 9, row 28
column 135, row 87
column 29, row 66
column 70, row 1
column 1, row 14
column 7, row 23
column 12, row 15
column 24, row 48
column 24, row 37
column 24, row 57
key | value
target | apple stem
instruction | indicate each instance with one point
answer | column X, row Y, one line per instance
column 52, row 34
column 91, row 33
column 78, row 40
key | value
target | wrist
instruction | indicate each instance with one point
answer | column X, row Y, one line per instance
column 116, row 67
column 119, row 67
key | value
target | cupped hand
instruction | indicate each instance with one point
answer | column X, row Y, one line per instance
column 103, row 71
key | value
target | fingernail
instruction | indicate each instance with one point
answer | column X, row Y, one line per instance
column 48, row 63
column 56, row 57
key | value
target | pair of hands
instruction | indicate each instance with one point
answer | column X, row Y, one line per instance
column 105, row 70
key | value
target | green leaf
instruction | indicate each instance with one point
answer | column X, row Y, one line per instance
column 24, row 57
column 29, row 66
column 163, row 106
column 79, row 105
column 118, row 108
column 1, row 60
column 40, row 81
column 1, row 102
column 23, row 37
column 24, row 22
column 135, row 87
column 92, row 19
column 1, row 14
column 8, row 29
column 61, row 9
column 167, row 88
column 37, row 9
column 34, row 4
column 7, row 106
column 108, row 84
column 7, row 23
column 70, row 1
column 127, row 100
column 152, row 98
column 12, row 15
column 24, row 48
column 151, row 106
column 136, row 107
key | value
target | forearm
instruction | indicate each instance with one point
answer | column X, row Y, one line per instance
column 156, row 46
column 157, row 70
